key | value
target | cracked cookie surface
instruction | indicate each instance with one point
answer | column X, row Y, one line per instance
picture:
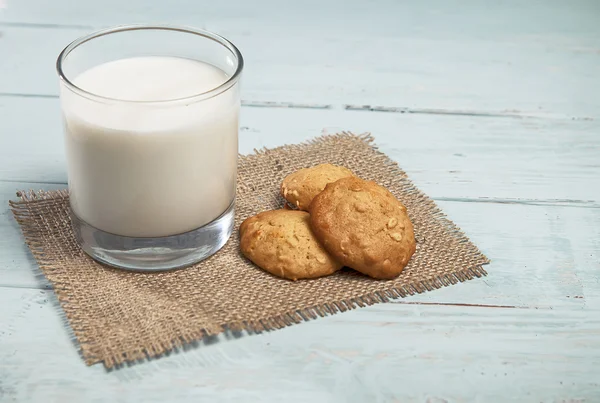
column 282, row 243
column 363, row 226
column 300, row 187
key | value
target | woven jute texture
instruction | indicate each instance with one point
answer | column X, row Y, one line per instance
column 120, row 316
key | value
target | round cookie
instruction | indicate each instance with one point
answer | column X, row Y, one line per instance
column 363, row 226
column 300, row 187
column 282, row 243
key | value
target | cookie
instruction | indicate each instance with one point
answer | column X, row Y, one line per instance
column 363, row 226
column 282, row 243
column 300, row 187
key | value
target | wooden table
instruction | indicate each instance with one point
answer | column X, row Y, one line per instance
column 491, row 107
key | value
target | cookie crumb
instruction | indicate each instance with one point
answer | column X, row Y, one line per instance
column 396, row 236
column 360, row 207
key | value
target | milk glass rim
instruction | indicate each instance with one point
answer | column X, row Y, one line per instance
column 136, row 27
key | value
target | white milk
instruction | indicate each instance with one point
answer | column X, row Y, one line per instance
column 149, row 170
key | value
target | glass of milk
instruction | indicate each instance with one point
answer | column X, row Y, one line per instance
column 151, row 134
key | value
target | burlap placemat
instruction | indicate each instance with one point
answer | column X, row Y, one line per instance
column 120, row 316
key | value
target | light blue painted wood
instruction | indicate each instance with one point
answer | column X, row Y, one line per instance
column 526, row 190
column 385, row 353
column 447, row 156
column 540, row 255
column 529, row 58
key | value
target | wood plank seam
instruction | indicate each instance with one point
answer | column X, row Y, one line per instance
column 589, row 204
column 365, row 108
column 44, row 26
column 457, row 112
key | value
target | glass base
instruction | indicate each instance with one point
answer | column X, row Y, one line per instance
column 154, row 254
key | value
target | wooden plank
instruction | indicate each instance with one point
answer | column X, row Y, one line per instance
column 535, row 182
column 17, row 266
column 533, row 59
column 385, row 353
column 449, row 157
column 543, row 257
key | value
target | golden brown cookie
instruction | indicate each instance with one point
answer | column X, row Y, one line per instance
column 363, row 226
column 300, row 187
column 282, row 243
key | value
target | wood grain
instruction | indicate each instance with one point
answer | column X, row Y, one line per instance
column 542, row 257
column 459, row 56
column 455, row 157
column 492, row 109
column 384, row 353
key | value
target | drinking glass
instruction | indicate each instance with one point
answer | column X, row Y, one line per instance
column 152, row 180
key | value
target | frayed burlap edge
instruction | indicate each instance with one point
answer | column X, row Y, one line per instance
column 22, row 213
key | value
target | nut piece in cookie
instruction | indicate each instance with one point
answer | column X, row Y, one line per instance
column 363, row 226
column 282, row 243
column 300, row 187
